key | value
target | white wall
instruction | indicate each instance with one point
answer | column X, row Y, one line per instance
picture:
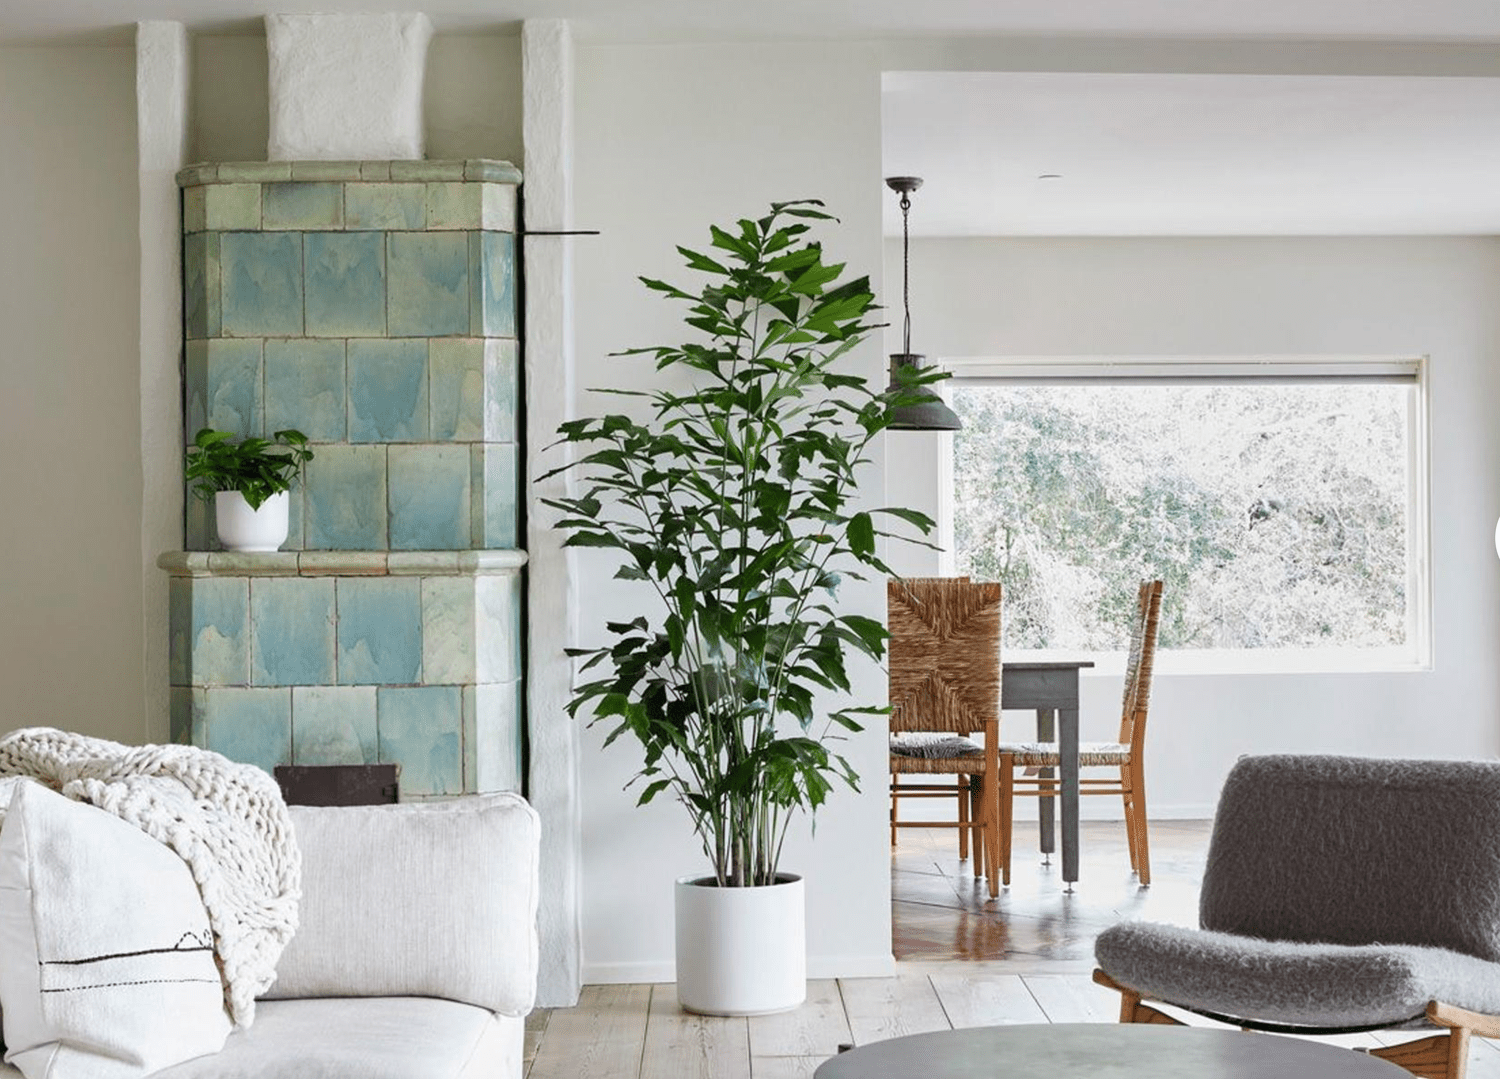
column 1407, row 296
column 71, row 650
column 471, row 99
column 669, row 140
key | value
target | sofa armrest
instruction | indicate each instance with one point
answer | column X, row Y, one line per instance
column 421, row 899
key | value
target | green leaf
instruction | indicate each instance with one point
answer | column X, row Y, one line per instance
column 861, row 534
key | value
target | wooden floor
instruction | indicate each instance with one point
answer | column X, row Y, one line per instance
column 963, row 960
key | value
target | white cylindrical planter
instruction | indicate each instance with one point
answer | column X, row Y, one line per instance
column 741, row 951
column 243, row 529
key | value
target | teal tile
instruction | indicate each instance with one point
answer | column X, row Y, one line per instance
column 198, row 531
column 194, row 210
column 429, row 498
column 498, row 207
column 345, row 499
column 184, row 717
column 262, row 274
column 345, row 284
column 492, row 738
column 502, row 390
column 385, row 206
column 422, row 729
column 429, row 284
column 447, row 630
column 454, row 205
column 292, row 631
column 302, row 206
column 209, row 620
column 304, row 388
column 497, row 609
column 388, row 391
column 223, row 379
column 457, row 390
column 494, row 283
column 202, row 310
column 380, row 630
column 494, row 517
column 252, row 726
column 334, row 725
column 231, row 206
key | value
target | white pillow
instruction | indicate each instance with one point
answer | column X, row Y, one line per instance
column 109, row 968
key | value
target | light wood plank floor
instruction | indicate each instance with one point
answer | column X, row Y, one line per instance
column 963, row 960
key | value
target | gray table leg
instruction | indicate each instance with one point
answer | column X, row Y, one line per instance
column 1046, row 730
column 1067, row 745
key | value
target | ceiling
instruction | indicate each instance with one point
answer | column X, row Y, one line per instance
column 1140, row 155
column 1380, row 20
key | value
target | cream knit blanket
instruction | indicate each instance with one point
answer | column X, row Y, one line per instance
column 227, row 821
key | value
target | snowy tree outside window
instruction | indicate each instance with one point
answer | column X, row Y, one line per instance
column 1277, row 514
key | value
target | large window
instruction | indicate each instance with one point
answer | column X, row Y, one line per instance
column 1280, row 502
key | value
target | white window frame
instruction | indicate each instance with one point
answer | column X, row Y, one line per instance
column 1416, row 655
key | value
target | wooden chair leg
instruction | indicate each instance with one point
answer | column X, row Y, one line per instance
column 980, row 851
column 1007, row 801
column 963, row 817
column 1138, row 817
column 895, row 783
column 1442, row 1056
column 1132, row 1009
column 1130, row 832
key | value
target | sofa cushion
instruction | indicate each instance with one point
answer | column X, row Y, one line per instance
column 434, row 899
column 377, row 1038
column 109, row 968
column 1295, row 983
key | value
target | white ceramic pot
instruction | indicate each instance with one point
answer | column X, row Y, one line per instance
column 244, row 529
column 741, row 951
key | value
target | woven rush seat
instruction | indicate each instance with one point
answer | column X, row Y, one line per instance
column 921, row 744
column 1045, row 754
column 1309, row 986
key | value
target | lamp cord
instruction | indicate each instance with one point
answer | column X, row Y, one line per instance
column 905, row 274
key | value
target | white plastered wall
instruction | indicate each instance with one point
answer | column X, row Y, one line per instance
column 1431, row 297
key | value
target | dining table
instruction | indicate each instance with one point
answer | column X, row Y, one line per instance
column 1049, row 687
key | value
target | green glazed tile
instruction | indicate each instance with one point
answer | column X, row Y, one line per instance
column 334, row 725
column 292, row 631
column 296, row 513
column 502, row 390
column 495, row 309
column 252, row 726
column 262, row 283
column 198, row 174
column 388, row 391
column 456, row 369
column 429, row 284
column 492, row 738
column 342, row 563
column 421, row 563
column 184, row 717
column 223, row 382
column 447, row 630
column 374, row 170
column 491, row 171
column 346, row 499
column 325, row 170
column 305, row 388
column 303, row 206
column 380, row 630
column 254, row 172
column 202, row 285
column 493, row 483
column 209, row 619
column 497, row 608
column 453, row 205
column 231, row 207
column 422, row 728
column 429, row 497
column 194, row 210
column 345, row 284
column 427, row 170
column 198, row 529
column 498, row 208
column 385, row 206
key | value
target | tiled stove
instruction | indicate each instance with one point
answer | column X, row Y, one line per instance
column 371, row 305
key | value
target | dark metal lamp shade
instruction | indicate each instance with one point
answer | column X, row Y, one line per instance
column 928, row 414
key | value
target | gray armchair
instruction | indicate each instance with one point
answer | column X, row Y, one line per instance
column 1341, row 894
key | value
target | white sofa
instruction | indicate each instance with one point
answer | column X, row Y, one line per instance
column 416, row 953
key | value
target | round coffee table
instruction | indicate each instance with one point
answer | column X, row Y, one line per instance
column 1103, row 1051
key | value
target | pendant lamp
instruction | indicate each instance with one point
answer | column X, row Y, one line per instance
column 930, row 413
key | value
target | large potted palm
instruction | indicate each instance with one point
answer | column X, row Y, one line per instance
column 730, row 496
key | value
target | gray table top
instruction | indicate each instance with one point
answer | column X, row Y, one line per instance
column 1104, row 1051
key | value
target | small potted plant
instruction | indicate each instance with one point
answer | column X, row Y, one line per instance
column 248, row 480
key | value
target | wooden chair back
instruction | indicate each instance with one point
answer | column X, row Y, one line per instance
column 1139, row 661
column 944, row 656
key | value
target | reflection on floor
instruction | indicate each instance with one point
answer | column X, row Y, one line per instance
column 940, row 911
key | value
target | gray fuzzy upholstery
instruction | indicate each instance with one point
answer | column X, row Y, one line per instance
column 1314, row 985
column 1339, row 891
column 935, row 745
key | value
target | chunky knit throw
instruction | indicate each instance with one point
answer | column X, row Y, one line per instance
column 227, row 821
